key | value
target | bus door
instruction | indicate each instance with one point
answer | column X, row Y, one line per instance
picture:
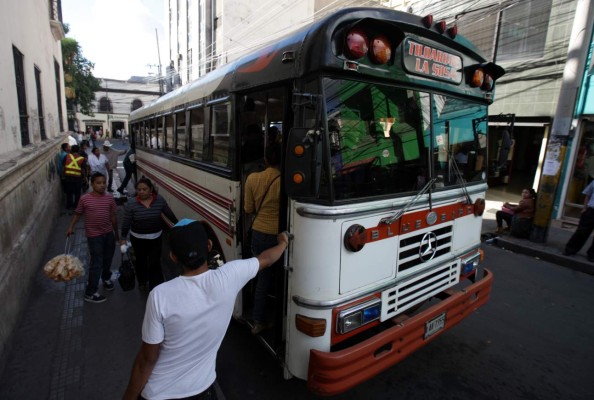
column 260, row 126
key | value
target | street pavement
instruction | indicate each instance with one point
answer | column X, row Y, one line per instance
column 67, row 349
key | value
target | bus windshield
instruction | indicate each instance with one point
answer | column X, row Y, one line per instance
column 381, row 141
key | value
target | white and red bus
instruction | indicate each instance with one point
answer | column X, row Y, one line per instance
column 382, row 117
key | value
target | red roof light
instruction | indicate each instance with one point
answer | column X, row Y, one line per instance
column 427, row 21
column 441, row 26
column 357, row 44
column 453, row 31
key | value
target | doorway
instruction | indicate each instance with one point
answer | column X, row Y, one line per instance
column 520, row 167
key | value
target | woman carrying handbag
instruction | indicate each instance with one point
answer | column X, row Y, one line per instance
column 143, row 220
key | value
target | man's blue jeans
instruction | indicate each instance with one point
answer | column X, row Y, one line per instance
column 101, row 249
column 260, row 242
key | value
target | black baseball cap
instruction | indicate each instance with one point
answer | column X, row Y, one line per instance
column 189, row 243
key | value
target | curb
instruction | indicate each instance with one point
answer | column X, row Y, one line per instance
column 576, row 262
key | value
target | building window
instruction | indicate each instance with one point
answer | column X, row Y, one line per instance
column 523, row 30
column 136, row 104
column 59, row 94
column 189, row 63
column 55, row 10
column 19, row 73
column 105, row 105
column 40, row 104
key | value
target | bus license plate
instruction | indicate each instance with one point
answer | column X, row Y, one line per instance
column 435, row 325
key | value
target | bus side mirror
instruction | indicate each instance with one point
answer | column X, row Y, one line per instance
column 300, row 156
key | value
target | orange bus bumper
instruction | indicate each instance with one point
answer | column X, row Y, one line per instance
column 333, row 373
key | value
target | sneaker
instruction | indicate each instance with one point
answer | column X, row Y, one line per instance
column 108, row 285
column 120, row 191
column 95, row 298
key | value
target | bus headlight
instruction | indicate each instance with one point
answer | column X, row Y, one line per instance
column 470, row 264
column 359, row 315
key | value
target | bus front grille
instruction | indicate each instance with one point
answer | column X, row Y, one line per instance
column 419, row 288
column 409, row 255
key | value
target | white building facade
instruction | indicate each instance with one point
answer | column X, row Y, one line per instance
column 114, row 102
column 32, row 127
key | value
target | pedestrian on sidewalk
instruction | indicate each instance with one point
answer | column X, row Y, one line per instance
column 518, row 217
column 143, row 220
column 129, row 168
column 74, row 172
column 98, row 162
column 101, row 229
column 112, row 160
column 585, row 226
column 186, row 318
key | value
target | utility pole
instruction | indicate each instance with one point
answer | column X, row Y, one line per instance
column 159, row 55
column 555, row 158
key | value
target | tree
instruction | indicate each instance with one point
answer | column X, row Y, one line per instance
column 80, row 85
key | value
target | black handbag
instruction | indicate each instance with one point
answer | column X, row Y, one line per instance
column 127, row 277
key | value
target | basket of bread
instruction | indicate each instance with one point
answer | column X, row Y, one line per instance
column 64, row 267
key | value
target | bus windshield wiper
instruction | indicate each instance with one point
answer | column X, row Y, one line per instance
column 458, row 173
column 408, row 205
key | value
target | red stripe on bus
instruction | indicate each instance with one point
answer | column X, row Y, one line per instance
column 201, row 210
column 201, row 190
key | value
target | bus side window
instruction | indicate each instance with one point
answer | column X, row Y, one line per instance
column 197, row 133
column 219, row 132
column 169, row 144
column 158, row 139
column 180, row 133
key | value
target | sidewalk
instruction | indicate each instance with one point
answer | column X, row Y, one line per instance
column 67, row 349
column 551, row 251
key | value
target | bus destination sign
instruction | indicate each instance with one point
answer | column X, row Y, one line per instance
column 430, row 62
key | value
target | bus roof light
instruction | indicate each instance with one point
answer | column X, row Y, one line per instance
column 357, row 44
column 427, row 21
column 487, row 82
column 381, row 50
column 477, row 78
column 314, row 327
column 453, row 31
column 441, row 26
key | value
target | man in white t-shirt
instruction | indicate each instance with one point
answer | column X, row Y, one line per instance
column 186, row 318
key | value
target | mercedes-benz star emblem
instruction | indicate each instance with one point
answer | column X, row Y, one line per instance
column 428, row 247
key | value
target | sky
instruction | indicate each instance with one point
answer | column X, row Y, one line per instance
column 118, row 36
